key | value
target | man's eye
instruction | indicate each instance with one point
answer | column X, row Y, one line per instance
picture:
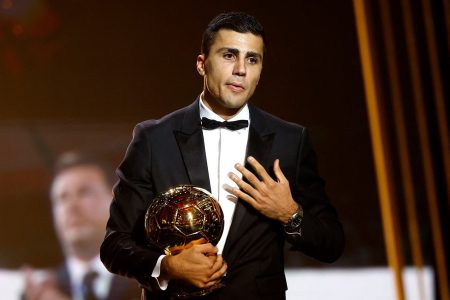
column 88, row 191
column 228, row 56
column 252, row 60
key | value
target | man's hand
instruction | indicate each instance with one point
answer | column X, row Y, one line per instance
column 43, row 288
column 198, row 265
column 271, row 198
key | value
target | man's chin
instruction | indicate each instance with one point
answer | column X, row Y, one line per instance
column 234, row 104
column 79, row 238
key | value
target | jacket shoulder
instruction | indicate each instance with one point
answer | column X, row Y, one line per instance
column 277, row 123
column 169, row 122
column 169, row 119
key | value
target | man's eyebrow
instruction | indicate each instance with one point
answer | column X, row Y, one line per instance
column 236, row 51
column 253, row 54
column 232, row 50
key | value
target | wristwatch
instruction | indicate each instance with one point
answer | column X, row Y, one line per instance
column 293, row 225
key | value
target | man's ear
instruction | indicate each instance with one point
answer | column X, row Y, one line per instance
column 201, row 64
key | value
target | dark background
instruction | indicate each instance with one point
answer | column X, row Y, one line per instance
column 77, row 75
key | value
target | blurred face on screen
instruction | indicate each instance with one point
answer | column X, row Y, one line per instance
column 80, row 198
column 231, row 71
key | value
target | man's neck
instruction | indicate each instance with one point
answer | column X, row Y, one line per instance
column 82, row 260
column 223, row 112
column 83, row 252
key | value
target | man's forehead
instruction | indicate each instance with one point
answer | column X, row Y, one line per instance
column 76, row 176
column 244, row 42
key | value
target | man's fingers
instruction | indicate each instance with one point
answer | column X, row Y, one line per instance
column 213, row 274
column 259, row 169
column 252, row 178
column 244, row 186
column 196, row 249
column 240, row 194
column 196, row 242
column 207, row 249
column 220, row 272
column 177, row 249
column 217, row 263
column 278, row 173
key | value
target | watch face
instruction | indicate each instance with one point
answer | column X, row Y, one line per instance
column 293, row 226
column 296, row 221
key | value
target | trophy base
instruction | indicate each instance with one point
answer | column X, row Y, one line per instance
column 184, row 291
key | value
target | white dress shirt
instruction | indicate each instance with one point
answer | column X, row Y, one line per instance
column 224, row 148
column 77, row 269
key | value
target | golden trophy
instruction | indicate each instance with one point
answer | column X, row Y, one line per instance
column 178, row 217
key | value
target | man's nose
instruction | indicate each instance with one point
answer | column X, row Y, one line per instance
column 240, row 68
column 71, row 203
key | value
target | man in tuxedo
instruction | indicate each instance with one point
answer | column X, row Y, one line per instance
column 261, row 169
column 80, row 196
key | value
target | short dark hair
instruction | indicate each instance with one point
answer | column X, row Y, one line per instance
column 73, row 159
column 236, row 21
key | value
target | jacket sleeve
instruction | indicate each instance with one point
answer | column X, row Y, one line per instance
column 322, row 236
column 124, row 250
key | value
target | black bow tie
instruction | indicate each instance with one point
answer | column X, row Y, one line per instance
column 234, row 125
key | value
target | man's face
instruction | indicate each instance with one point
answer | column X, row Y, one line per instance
column 231, row 71
column 80, row 199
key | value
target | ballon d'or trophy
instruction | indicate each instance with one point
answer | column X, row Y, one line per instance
column 179, row 216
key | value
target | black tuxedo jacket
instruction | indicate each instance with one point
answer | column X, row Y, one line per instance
column 121, row 288
column 170, row 151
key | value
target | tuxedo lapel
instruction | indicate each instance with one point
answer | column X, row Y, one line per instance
column 259, row 146
column 192, row 147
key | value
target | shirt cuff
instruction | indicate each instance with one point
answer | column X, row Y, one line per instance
column 157, row 271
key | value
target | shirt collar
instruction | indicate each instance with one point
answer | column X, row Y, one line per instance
column 206, row 112
column 78, row 268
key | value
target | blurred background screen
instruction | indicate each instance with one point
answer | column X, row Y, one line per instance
column 78, row 75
